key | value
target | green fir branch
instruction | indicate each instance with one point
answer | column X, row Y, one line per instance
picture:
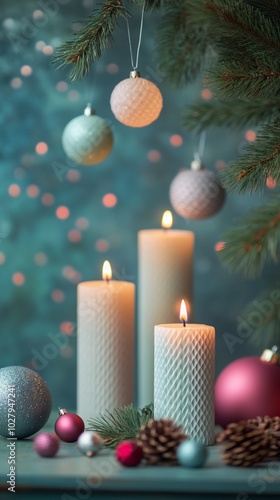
column 123, row 423
column 262, row 318
column 233, row 114
column 262, row 160
column 253, row 241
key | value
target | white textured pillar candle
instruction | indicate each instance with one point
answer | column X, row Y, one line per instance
column 165, row 275
column 184, row 378
column 105, row 343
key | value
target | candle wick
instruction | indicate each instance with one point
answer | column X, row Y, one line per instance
column 107, row 280
column 184, row 322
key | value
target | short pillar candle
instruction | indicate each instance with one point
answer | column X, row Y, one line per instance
column 184, row 377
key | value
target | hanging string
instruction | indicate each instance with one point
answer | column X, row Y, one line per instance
column 201, row 146
column 135, row 66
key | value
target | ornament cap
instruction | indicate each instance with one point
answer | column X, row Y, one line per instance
column 62, row 411
column 89, row 110
column 271, row 355
column 134, row 74
column 197, row 164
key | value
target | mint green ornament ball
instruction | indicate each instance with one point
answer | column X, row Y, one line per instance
column 87, row 139
column 191, row 454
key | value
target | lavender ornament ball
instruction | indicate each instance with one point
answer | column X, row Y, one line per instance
column 25, row 395
column 46, row 444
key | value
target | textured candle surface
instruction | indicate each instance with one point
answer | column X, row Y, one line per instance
column 105, row 346
column 165, row 267
column 184, row 378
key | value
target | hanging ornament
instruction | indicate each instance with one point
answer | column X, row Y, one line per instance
column 129, row 454
column 191, row 454
column 46, row 444
column 248, row 388
column 89, row 443
column 135, row 101
column 196, row 193
column 87, row 139
column 68, row 426
column 25, row 397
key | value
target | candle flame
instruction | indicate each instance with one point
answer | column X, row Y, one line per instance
column 106, row 271
column 183, row 313
column 167, row 219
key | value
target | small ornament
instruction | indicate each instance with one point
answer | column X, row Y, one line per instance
column 68, row 426
column 25, row 396
column 135, row 101
column 46, row 444
column 129, row 454
column 196, row 193
column 244, row 445
column 87, row 139
column 89, row 443
column 191, row 454
column 159, row 440
column 247, row 388
column 272, row 425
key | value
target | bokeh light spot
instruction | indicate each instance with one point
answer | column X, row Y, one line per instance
column 58, row 295
column 67, row 327
column 40, row 45
column 206, row 94
column 66, row 351
column 109, row 200
column 26, row 70
column 48, row 199
column 220, row 164
column 14, row 190
column 16, row 83
column 74, row 236
column 40, row 259
column 112, row 68
column 271, row 183
column 82, row 223
column 62, row 212
column 73, row 95
column 32, row 191
column 220, row 245
column 41, row 148
column 154, row 155
column 48, row 50
column 102, row 245
column 18, row 279
column 176, row 140
column 250, row 135
column 73, row 175
column 2, row 258
column 61, row 86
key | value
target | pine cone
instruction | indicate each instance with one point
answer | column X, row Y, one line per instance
column 272, row 425
column 244, row 444
column 159, row 440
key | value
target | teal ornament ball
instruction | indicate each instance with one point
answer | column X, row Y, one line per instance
column 87, row 139
column 191, row 454
column 25, row 402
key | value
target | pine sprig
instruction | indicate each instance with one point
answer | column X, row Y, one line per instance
column 234, row 114
column 250, row 171
column 253, row 241
column 123, row 423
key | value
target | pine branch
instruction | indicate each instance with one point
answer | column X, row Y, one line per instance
column 232, row 114
column 182, row 45
column 123, row 423
column 254, row 241
column 250, row 171
column 266, row 307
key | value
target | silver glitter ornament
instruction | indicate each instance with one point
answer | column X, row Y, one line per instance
column 196, row 193
column 25, row 402
column 90, row 443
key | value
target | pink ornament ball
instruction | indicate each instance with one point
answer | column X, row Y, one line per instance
column 129, row 454
column 69, row 427
column 136, row 102
column 247, row 388
column 46, row 444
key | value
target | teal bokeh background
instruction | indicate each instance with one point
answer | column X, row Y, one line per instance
column 43, row 257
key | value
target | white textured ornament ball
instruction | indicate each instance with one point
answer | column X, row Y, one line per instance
column 191, row 454
column 90, row 443
column 87, row 139
column 196, row 194
column 136, row 102
column 25, row 402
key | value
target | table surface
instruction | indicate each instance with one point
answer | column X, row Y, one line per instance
column 71, row 475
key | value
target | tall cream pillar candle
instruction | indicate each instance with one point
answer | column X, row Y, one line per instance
column 184, row 377
column 165, row 267
column 105, row 343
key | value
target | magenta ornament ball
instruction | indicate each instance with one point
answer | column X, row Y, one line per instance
column 69, row 427
column 247, row 388
column 46, row 444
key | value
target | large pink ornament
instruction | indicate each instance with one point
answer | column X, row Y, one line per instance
column 247, row 388
column 69, row 426
column 135, row 101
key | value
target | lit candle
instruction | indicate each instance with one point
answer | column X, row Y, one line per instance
column 184, row 377
column 165, row 274
column 105, row 343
